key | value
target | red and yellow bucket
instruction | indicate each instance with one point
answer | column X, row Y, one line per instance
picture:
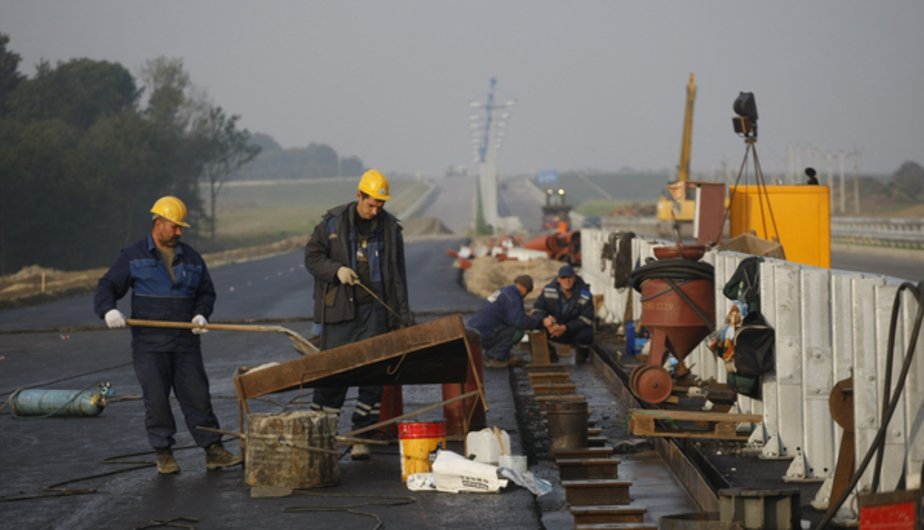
column 419, row 442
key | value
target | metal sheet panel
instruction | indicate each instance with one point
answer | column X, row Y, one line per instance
column 894, row 458
column 818, row 373
column 841, row 334
column 434, row 352
column 914, row 391
column 865, row 389
column 769, row 385
column 789, row 356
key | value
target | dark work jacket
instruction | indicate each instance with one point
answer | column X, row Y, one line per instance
column 333, row 245
column 580, row 313
column 156, row 297
column 503, row 309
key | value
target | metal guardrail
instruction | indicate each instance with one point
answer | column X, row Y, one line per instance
column 879, row 231
column 901, row 232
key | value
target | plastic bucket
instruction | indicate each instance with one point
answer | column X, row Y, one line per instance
column 419, row 442
column 567, row 424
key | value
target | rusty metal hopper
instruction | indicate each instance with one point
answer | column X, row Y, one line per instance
column 434, row 352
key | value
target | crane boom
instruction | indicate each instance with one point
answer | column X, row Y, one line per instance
column 683, row 169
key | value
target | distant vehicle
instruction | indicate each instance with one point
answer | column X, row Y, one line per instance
column 591, row 221
column 555, row 211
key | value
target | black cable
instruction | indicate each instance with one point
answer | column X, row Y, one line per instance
column 674, row 269
column 622, row 261
column 878, row 443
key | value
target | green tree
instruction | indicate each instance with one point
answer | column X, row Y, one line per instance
column 78, row 92
column 9, row 74
column 909, row 178
column 228, row 148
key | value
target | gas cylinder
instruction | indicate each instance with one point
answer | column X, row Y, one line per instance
column 36, row 402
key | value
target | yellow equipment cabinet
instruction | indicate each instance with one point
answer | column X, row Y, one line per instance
column 802, row 215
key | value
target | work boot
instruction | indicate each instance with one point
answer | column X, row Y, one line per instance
column 217, row 457
column 581, row 353
column 166, row 464
column 491, row 362
column 360, row 452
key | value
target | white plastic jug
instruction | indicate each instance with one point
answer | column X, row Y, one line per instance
column 484, row 445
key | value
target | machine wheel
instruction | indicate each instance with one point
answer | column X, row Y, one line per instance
column 633, row 379
column 653, row 384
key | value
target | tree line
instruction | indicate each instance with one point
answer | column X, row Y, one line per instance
column 82, row 159
column 314, row 161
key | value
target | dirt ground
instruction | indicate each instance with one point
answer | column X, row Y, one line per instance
column 34, row 284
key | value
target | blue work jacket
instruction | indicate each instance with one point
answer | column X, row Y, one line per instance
column 156, row 297
column 575, row 313
column 503, row 309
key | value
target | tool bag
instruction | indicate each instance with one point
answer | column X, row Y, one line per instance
column 754, row 345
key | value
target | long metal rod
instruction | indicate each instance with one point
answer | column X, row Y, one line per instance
column 409, row 414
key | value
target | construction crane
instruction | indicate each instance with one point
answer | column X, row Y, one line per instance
column 680, row 209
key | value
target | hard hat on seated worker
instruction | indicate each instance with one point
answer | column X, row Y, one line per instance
column 375, row 185
column 171, row 209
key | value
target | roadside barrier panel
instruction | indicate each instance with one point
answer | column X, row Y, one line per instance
column 830, row 325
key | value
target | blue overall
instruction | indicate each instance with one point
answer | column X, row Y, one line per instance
column 165, row 359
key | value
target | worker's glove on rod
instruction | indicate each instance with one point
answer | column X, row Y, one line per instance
column 347, row 276
column 199, row 320
column 115, row 319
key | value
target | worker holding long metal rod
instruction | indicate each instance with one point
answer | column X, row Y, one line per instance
column 356, row 256
column 169, row 282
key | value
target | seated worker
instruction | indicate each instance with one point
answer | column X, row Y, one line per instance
column 502, row 319
column 567, row 301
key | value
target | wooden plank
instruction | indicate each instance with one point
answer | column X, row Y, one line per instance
column 539, row 347
column 552, row 377
column 690, row 415
column 542, row 389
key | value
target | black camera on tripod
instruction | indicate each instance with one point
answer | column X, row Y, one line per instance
column 745, row 122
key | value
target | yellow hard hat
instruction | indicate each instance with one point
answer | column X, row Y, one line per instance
column 171, row 209
column 375, row 185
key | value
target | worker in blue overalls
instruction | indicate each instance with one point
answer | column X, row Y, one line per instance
column 568, row 301
column 169, row 282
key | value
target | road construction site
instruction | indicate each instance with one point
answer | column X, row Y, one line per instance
column 83, row 472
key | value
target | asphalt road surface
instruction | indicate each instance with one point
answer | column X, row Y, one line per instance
column 37, row 453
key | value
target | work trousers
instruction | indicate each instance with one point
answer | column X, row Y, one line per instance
column 582, row 339
column 498, row 347
column 184, row 372
column 365, row 324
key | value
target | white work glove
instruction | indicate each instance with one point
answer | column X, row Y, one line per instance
column 115, row 319
column 199, row 320
column 347, row 276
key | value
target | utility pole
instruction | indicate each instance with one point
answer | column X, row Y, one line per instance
column 855, row 155
column 840, row 159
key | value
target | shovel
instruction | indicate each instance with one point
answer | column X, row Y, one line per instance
column 300, row 343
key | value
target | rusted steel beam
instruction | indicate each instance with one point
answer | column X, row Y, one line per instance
column 430, row 353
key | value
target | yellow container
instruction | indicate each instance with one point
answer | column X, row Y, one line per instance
column 801, row 214
column 419, row 443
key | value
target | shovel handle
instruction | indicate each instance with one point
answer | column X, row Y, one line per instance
column 190, row 325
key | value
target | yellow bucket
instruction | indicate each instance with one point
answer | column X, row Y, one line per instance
column 419, row 442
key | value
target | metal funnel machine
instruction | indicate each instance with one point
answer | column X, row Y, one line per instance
column 678, row 308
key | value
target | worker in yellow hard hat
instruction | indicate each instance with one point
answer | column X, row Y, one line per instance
column 169, row 281
column 356, row 255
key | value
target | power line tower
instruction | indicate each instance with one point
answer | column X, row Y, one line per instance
column 487, row 122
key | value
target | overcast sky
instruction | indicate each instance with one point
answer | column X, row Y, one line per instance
column 598, row 84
